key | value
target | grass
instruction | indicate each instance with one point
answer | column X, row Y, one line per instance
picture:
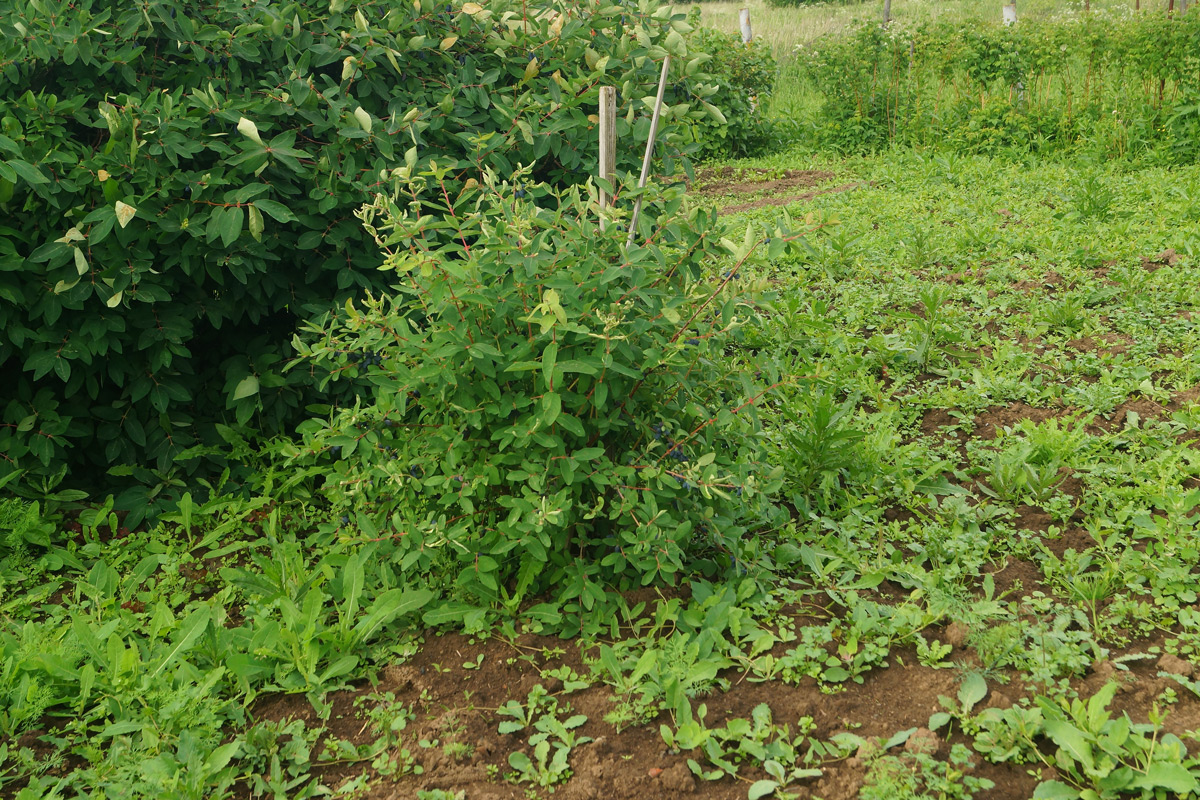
column 997, row 430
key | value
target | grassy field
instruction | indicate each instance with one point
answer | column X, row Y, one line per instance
column 983, row 581
column 788, row 27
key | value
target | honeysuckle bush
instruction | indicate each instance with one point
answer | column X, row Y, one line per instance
column 745, row 76
column 545, row 411
column 178, row 185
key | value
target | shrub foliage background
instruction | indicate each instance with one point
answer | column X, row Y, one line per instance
column 178, row 185
column 745, row 76
column 1111, row 85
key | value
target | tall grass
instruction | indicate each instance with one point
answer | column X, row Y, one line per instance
column 814, row 27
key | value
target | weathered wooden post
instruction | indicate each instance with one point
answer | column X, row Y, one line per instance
column 608, row 147
column 887, row 12
column 744, row 22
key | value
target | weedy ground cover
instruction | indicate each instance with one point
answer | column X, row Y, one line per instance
column 980, row 580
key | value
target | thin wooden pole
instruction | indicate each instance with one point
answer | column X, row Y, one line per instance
column 744, row 22
column 887, row 12
column 608, row 147
column 1010, row 13
column 658, row 101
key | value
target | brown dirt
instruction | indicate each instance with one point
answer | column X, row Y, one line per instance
column 788, row 199
column 989, row 424
column 767, row 187
column 1167, row 258
column 730, row 181
column 456, row 704
column 1102, row 343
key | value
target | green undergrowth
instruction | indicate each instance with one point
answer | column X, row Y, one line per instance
column 986, row 372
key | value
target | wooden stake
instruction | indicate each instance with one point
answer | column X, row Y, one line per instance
column 608, row 147
column 658, row 101
column 1010, row 13
column 887, row 12
column 744, row 21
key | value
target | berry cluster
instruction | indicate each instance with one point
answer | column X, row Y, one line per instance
column 365, row 360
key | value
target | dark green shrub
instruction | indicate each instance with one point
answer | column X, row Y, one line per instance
column 178, row 184
column 547, row 411
column 745, row 77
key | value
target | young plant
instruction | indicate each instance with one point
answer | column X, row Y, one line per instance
column 552, row 739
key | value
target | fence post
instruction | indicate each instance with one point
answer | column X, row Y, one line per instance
column 887, row 12
column 658, row 102
column 744, row 21
column 608, row 147
column 1010, row 13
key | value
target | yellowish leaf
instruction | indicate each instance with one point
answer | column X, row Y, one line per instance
column 249, row 130
column 448, row 42
column 364, row 119
column 73, row 235
column 472, row 8
column 102, row 175
column 126, row 212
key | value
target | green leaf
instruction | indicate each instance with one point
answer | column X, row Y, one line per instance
column 1055, row 790
column 352, row 584
column 189, row 631
column 275, row 210
column 246, row 387
column 899, row 738
column 389, row 605
column 973, row 689
column 549, row 357
column 447, row 612
column 230, row 225
column 938, row 720
column 1172, row 777
column 30, row 173
column 219, row 758
column 520, row 762
column 1072, row 740
column 761, row 789
column 551, row 408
